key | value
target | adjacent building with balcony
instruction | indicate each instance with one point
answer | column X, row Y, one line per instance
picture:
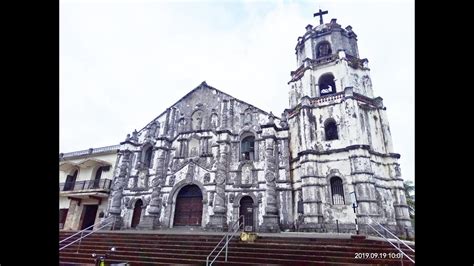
column 85, row 178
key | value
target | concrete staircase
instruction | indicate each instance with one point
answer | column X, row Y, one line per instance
column 269, row 249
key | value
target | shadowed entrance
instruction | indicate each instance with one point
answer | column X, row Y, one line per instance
column 246, row 209
column 137, row 212
column 188, row 209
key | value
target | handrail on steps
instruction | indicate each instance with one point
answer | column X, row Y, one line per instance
column 106, row 222
column 390, row 242
column 226, row 236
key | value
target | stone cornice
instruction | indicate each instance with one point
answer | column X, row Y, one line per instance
column 332, row 99
column 90, row 152
column 346, row 149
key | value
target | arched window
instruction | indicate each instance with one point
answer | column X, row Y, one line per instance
column 326, row 84
column 323, row 49
column 70, row 181
column 147, row 157
column 330, row 129
column 337, row 191
column 98, row 175
column 247, row 148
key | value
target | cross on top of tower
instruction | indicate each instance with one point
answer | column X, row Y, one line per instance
column 320, row 14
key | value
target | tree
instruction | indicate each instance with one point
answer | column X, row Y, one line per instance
column 409, row 189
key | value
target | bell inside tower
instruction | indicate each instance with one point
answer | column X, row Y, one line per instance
column 326, row 84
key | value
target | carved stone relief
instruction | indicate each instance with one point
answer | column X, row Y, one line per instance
column 172, row 179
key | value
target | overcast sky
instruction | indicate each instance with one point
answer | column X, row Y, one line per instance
column 122, row 63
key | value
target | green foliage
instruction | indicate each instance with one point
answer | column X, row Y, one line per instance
column 410, row 196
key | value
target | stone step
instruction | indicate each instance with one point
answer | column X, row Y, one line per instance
column 171, row 259
column 214, row 237
column 142, row 249
column 99, row 239
column 240, row 247
column 269, row 255
column 243, row 252
column 333, row 257
column 106, row 244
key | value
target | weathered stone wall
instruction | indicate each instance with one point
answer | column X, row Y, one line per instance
column 362, row 155
column 197, row 141
column 344, row 76
column 367, row 174
column 337, row 37
column 357, row 124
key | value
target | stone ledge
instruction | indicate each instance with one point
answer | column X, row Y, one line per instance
column 358, row 237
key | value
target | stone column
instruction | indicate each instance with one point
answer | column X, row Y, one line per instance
column 218, row 221
column 304, row 124
column 270, row 219
column 312, row 189
column 224, row 115
column 364, row 186
column 387, row 136
column 402, row 214
column 354, row 121
column 231, row 113
column 167, row 122
column 172, row 123
column 117, row 191
column 152, row 221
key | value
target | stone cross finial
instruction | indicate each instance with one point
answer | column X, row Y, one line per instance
column 271, row 117
column 284, row 120
column 135, row 135
column 320, row 14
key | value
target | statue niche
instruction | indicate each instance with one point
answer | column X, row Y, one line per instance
column 247, row 117
column 214, row 121
column 181, row 124
column 246, row 174
column 196, row 119
column 245, row 177
column 142, row 180
column 193, row 147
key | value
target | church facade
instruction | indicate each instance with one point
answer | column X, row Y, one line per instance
column 211, row 158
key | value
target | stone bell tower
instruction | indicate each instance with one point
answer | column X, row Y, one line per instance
column 340, row 139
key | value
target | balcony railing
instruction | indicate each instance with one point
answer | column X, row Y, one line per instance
column 324, row 59
column 103, row 184
column 327, row 98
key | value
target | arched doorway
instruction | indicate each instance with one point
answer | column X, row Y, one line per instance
column 137, row 212
column 246, row 209
column 188, row 210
